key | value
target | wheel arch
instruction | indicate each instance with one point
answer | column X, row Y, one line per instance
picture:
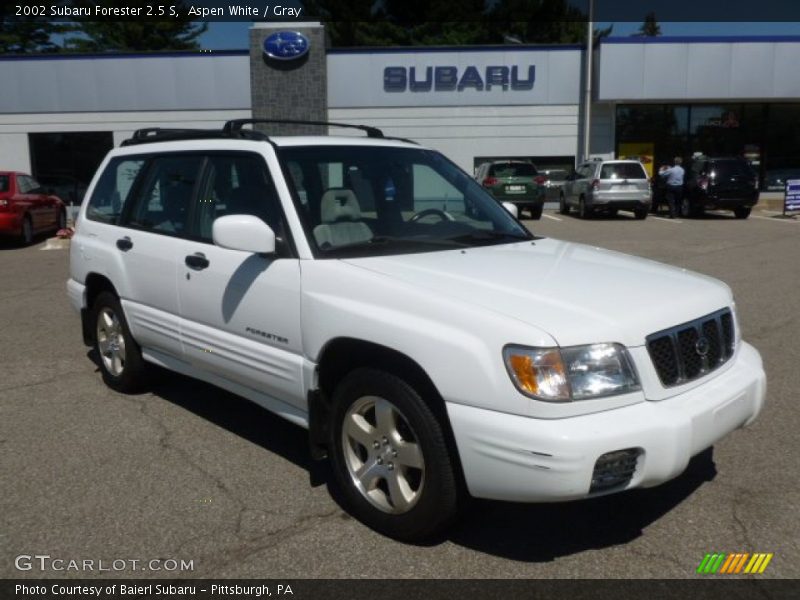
column 95, row 284
column 340, row 356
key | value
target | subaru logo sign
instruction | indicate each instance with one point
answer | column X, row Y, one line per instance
column 286, row 45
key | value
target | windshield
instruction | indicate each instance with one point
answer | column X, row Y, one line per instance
column 368, row 200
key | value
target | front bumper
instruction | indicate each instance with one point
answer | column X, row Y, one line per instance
column 509, row 457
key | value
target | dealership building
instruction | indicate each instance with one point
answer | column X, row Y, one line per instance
column 653, row 98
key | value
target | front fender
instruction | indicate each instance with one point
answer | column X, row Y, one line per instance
column 459, row 345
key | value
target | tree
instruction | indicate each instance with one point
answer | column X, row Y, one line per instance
column 28, row 35
column 650, row 27
column 450, row 22
column 142, row 35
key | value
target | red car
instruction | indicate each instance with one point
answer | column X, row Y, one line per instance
column 27, row 209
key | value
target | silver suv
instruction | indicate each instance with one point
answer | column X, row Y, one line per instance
column 608, row 186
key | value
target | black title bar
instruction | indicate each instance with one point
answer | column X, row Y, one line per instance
column 332, row 10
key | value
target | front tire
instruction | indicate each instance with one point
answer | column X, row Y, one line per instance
column 62, row 220
column 121, row 362
column 390, row 457
column 640, row 213
column 741, row 212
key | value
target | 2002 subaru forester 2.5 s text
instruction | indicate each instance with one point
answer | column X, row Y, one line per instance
column 369, row 290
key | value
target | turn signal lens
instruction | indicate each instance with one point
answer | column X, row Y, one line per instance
column 538, row 372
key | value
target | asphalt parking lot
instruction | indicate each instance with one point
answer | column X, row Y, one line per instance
column 188, row 472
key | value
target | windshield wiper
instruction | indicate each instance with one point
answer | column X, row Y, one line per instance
column 380, row 240
column 489, row 235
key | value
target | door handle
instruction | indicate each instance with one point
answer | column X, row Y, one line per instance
column 197, row 261
column 124, row 244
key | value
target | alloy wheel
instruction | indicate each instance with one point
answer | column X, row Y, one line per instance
column 111, row 342
column 382, row 455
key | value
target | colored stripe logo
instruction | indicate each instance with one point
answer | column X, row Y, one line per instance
column 734, row 563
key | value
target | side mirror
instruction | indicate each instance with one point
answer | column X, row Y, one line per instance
column 245, row 233
column 512, row 208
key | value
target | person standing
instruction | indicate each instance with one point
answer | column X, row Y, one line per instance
column 673, row 177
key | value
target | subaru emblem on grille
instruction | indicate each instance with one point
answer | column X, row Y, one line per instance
column 702, row 346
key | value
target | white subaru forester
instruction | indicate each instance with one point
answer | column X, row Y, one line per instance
column 369, row 290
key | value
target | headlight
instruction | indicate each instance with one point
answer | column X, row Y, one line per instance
column 574, row 373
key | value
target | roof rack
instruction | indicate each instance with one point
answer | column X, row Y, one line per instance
column 235, row 126
column 159, row 134
column 234, row 129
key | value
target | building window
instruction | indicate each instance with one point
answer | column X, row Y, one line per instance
column 65, row 162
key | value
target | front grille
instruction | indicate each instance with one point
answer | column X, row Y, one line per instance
column 691, row 350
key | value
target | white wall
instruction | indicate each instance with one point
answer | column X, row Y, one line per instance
column 661, row 69
column 14, row 152
column 462, row 133
column 14, row 128
column 60, row 83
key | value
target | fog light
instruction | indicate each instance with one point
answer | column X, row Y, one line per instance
column 614, row 469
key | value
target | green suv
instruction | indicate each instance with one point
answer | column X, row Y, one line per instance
column 514, row 181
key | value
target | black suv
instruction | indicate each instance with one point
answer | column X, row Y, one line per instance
column 719, row 183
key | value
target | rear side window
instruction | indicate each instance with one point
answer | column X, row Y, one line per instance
column 112, row 190
column 623, row 171
column 512, row 170
column 163, row 200
column 4, row 183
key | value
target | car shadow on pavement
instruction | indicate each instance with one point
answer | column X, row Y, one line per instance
column 523, row 532
column 544, row 532
column 237, row 415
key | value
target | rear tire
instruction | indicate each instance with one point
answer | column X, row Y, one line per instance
column 583, row 211
column 686, row 208
column 563, row 207
column 536, row 211
column 640, row 213
column 121, row 362
column 742, row 212
column 390, row 457
column 62, row 220
column 26, row 233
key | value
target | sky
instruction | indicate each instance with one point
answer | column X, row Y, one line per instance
column 234, row 36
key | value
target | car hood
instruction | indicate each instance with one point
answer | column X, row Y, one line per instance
column 578, row 294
